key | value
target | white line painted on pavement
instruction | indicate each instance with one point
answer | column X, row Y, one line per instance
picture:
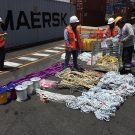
column 28, row 58
column 51, row 51
column 59, row 48
column 40, row 54
column 11, row 64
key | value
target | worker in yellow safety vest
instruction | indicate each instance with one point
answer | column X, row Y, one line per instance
column 2, row 46
column 72, row 42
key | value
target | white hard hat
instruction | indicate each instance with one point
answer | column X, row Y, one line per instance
column 73, row 19
column 1, row 20
column 111, row 20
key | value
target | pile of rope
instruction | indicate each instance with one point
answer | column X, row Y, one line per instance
column 86, row 79
column 54, row 97
column 85, row 56
column 104, row 99
column 108, row 63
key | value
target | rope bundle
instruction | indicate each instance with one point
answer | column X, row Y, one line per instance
column 104, row 99
column 86, row 79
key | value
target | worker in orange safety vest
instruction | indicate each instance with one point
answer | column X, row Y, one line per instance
column 112, row 30
column 2, row 47
column 72, row 42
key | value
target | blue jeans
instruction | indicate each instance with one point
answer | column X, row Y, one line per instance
column 68, row 56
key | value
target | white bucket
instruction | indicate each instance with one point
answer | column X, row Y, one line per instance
column 21, row 92
column 30, row 87
column 35, row 81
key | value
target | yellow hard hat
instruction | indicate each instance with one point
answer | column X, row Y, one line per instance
column 117, row 19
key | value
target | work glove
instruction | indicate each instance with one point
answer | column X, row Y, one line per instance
column 115, row 39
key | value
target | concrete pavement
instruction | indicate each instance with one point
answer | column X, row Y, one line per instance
column 35, row 118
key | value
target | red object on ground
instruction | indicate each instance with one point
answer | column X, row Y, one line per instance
column 13, row 94
column 46, row 100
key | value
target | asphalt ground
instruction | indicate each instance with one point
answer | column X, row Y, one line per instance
column 36, row 118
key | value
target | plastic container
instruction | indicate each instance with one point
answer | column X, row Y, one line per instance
column 21, row 92
column 30, row 87
column 3, row 96
column 35, row 81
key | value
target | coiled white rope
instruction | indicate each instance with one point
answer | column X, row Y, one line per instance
column 106, row 97
column 55, row 97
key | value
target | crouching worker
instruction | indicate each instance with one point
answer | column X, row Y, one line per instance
column 72, row 42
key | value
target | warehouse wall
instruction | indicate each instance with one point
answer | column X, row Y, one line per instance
column 31, row 21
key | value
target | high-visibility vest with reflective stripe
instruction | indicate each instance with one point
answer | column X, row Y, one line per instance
column 112, row 33
column 2, row 41
column 72, row 38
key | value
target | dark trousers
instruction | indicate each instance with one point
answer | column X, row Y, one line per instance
column 2, row 57
column 68, row 56
column 127, row 57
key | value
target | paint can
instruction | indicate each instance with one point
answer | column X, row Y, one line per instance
column 30, row 87
column 21, row 92
column 3, row 96
column 35, row 81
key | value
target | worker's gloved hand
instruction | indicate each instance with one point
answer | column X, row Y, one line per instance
column 115, row 39
column 108, row 39
column 121, row 40
column 5, row 33
column 111, row 38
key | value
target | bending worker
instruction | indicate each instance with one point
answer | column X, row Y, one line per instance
column 2, row 46
column 112, row 30
column 72, row 42
column 127, row 40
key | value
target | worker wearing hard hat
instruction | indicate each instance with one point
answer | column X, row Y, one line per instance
column 117, row 19
column 2, row 46
column 112, row 30
column 111, row 34
column 127, row 39
column 72, row 42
